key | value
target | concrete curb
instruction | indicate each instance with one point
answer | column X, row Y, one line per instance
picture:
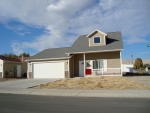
column 81, row 93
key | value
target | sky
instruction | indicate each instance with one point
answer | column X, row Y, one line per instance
column 34, row 25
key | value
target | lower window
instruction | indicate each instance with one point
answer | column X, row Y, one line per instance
column 98, row 65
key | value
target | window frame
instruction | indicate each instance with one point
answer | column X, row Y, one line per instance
column 98, row 64
column 99, row 69
column 97, row 37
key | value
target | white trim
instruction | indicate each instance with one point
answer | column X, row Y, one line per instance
column 2, row 67
column 28, row 70
column 47, row 62
column 110, row 68
column 104, row 40
column 97, row 31
column 49, row 58
column 100, row 69
column 96, row 37
column 84, row 63
column 97, row 51
column 89, row 42
column 68, row 69
column 121, row 62
column 105, row 65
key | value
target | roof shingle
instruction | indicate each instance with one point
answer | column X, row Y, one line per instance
column 113, row 42
column 9, row 59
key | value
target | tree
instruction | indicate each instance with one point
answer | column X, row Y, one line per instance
column 24, row 54
column 11, row 55
column 138, row 64
column 145, row 65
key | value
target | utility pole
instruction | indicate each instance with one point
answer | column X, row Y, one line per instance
column 132, row 58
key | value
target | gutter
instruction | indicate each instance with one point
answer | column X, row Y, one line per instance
column 47, row 59
column 12, row 61
column 95, row 51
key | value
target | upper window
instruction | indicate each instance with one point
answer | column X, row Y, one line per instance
column 96, row 40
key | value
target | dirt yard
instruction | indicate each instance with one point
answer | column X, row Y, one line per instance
column 94, row 83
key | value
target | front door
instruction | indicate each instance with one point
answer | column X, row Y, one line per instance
column 81, row 68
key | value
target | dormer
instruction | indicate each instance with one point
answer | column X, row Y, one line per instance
column 97, row 38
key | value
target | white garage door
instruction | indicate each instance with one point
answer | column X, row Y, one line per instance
column 48, row 70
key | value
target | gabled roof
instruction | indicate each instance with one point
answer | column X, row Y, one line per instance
column 81, row 45
column 95, row 32
column 54, row 53
column 9, row 59
column 113, row 42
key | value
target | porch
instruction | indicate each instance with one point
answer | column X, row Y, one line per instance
column 96, row 64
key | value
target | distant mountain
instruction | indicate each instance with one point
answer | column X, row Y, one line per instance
column 145, row 61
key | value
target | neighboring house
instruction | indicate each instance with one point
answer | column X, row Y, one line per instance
column 97, row 53
column 127, row 67
column 147, row 69
column 12, row 67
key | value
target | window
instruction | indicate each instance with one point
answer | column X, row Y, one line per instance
column 96, row 40
column 98, row 64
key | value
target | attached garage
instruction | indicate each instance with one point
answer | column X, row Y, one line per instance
column 48, row 70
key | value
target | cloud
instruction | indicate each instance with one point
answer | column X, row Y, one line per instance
column 23, row 33
column 20, row 29
column 17, row 47
column 132, row 40
column 64, row 20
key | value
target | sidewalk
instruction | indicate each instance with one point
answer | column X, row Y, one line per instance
column 81, row 93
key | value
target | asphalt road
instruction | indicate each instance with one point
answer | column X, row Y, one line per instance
column 10, row 103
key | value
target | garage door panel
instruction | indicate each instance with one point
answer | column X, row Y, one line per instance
column 48, row 70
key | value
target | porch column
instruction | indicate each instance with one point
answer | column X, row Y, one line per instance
column 68, row 69
column 121, row 62
column 3, row 69
column 28, row 70
column 84, row 63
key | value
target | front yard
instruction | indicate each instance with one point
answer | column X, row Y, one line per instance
column 94, row 83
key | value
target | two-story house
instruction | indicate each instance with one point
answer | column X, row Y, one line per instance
column 95, row 54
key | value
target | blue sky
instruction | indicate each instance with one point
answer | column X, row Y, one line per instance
column 33, row 25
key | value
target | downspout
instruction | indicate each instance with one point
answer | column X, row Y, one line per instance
column 84, row 63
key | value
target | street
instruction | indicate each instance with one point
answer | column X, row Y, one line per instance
column 12, row 103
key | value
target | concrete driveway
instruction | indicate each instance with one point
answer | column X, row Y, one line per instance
column 24, row 83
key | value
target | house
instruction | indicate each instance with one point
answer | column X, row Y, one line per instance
column 95, row 54
column 12, row 67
